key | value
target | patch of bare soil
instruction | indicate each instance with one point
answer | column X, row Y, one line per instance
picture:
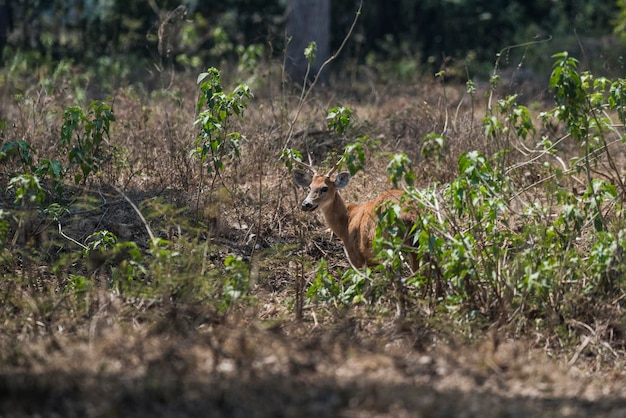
column 353, row 367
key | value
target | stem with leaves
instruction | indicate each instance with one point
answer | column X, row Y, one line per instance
column 309, row 52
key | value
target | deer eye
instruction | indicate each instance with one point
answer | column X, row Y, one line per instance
column 324, row 189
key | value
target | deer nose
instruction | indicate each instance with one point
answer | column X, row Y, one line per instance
column 307, row 206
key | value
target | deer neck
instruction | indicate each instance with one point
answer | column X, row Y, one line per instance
column 336, row 216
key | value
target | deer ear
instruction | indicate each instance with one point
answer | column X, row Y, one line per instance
column 342, row 180
column 301, row 177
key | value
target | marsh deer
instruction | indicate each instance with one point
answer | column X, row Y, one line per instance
column 354, row 224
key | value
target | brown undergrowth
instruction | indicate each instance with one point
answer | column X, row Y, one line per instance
column 113, row 333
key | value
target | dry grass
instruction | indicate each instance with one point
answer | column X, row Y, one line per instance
column 171, row 353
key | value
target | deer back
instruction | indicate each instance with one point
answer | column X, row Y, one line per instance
column 362, row 222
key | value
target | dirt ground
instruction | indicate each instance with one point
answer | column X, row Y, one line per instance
column 354, row 366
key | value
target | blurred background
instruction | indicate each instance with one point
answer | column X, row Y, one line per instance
column 398, row 40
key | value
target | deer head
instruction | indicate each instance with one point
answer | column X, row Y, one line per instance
column 322, row 189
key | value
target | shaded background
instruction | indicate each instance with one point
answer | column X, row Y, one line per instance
column 417, row 37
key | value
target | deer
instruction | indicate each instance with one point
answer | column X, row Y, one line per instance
column 354, row 224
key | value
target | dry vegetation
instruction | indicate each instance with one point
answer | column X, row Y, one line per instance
column 128, row 342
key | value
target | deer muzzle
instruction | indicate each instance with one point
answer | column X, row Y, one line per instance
column 308, row 206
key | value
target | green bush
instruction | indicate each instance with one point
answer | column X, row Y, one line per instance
column 485, row 256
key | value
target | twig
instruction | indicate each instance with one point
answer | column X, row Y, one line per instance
column 580, row 349
column 499, row 55
column 145, row 223
column 307, row 91
column 541, row 154
column 70, row 238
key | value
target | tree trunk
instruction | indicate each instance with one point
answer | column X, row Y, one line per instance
column 307, row 21
column 5, row 24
